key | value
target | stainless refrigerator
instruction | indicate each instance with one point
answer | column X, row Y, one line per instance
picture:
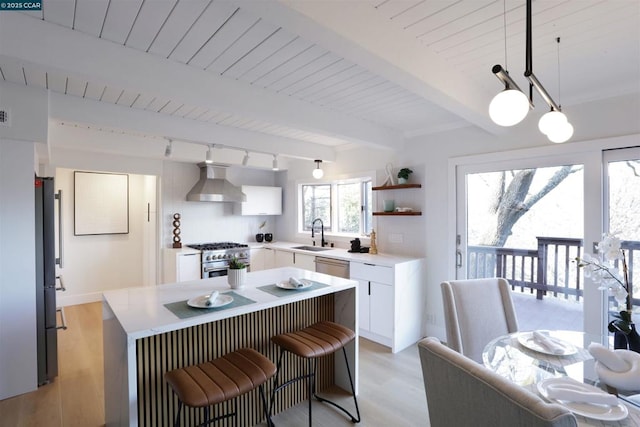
column 45, row 244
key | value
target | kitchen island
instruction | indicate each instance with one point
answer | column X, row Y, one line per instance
column 151, row 330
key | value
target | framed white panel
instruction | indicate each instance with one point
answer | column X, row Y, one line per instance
column 101, row 203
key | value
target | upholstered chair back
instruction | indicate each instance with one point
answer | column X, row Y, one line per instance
column 477, row 311
column 463, row 393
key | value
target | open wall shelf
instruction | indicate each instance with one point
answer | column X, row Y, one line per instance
column 397, row 187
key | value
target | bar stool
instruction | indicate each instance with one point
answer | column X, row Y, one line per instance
column 219, row 380
column 320, row 339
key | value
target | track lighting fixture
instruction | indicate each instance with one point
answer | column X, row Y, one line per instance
column 511, row 106
column 209, row 158
column 275, row 163
column 317, row 172
column 168, row 149
column 245, row 159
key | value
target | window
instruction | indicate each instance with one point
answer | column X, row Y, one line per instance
column 343, row 206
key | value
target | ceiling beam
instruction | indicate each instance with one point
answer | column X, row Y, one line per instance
column 354, row 30
column 56, row 48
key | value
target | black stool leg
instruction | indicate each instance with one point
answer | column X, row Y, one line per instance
column 311, row 384
column 275, row 385
column 264, row 407
column 176, row 423
column 353, row 392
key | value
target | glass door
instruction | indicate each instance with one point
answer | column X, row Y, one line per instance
column 621, row 201
column 523, row 220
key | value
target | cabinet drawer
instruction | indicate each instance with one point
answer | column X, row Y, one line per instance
column 372, row 272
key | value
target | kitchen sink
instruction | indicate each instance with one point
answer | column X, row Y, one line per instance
column 311, row 248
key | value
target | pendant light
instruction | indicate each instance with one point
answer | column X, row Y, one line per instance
column 555, row 124
column 508, row 107
column 317, row 172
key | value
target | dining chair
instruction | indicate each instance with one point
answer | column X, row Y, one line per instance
column 463, row 393
column 477, row 311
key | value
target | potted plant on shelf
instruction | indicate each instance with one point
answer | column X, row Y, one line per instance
column 403, row 175
column 236, row 273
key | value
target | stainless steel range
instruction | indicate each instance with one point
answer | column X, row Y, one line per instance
column 216, row 257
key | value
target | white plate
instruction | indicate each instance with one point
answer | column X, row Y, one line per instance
column 590, row 410
column 201, row 301
column 286, row 285
column 526, row 339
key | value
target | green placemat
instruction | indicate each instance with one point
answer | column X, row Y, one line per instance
column 184, row 311
column 279, row 292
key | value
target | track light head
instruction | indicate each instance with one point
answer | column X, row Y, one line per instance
column 245, row 159
column 209, row 158
column 275, row 163
column 168, row 149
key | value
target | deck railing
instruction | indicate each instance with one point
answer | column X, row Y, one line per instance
column 548, row 270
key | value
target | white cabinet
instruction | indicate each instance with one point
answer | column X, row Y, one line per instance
column 391, row 302
column 181, row 266
column 260, row 201
column 295, row 259
column 261, row 259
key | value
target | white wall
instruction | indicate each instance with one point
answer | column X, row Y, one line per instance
column 28, row 112
column 18, row 357
column 97, row 263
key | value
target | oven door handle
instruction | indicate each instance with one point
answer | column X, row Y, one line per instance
column 210, row 269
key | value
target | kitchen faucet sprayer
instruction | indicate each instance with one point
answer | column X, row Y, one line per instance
column 323, row 243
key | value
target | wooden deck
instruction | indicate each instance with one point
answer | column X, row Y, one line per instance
column 547, row 313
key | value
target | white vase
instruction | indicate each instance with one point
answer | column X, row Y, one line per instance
column 236, row 277
column 402, row 180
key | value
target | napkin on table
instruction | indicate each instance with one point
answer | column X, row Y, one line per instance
column 548, row 343
column 295, row 282
column 212, row 298
column 571, row 393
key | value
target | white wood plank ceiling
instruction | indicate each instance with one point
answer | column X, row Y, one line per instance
column 599, row 55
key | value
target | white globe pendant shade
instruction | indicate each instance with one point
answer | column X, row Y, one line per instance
column 509, row 107
column 561, row 134
column 317, row 172
column 551, row 121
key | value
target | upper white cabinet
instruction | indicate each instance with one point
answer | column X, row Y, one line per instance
column 260, row 201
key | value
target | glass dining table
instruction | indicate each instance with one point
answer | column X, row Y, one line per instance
column 521, row 360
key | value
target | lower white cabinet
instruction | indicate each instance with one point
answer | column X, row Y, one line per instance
column 181, row 266
column 391, row 302
column 295, row 259
column 262, row 259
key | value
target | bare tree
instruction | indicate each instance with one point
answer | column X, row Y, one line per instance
column 512, row 201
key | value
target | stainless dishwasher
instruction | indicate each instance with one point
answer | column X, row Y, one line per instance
column 333, row 267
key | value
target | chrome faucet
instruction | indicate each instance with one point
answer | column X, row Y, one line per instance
column 313, row 226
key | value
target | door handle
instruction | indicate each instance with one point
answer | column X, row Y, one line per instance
column 61, row 288
column 59, row 260
column 458, row 258
column 64, row 319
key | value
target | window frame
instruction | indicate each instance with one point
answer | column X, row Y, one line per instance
column 366, row 183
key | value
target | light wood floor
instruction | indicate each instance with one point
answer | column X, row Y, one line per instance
column 391, row 388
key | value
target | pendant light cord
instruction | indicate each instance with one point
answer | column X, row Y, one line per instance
column 504, row 26
column 559, row 97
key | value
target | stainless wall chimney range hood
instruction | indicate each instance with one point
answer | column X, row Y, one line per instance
column 214, row 187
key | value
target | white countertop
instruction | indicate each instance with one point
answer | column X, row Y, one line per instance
column 141, row 310
column 339, row 253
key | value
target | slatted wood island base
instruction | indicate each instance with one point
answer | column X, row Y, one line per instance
column 143, row 340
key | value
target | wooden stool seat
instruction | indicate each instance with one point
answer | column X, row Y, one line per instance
column 317, row 340
column 221, row 379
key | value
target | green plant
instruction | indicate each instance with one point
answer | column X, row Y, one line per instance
column 404, row 173
column 234, row 264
